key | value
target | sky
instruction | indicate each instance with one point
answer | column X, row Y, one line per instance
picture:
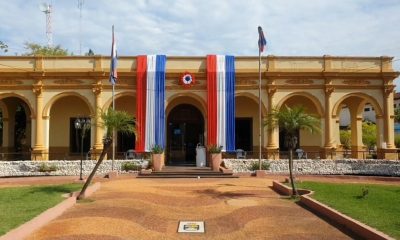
column 201, row 27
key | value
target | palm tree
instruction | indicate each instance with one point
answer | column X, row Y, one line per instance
column 111, row 120
column 291, row 120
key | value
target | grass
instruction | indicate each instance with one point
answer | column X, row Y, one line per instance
column 375, row 205
column 20, row 204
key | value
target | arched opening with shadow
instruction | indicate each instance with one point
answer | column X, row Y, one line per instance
column 185, row 129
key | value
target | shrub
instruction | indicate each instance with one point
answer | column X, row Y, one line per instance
column 255, row 166
column 157, row 149
column 46, row 168
column 130, row 166
column 369, row 134
column 214, row 148
column 397, row 141
column 345, row 138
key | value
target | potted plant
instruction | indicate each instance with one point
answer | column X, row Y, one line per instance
column 157, row 157
column 216, row 156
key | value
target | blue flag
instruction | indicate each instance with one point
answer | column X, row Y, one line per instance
column 113, row 64
column 261, row 40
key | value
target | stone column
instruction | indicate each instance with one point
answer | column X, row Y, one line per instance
column 38, row 152
column 328, row 146
column 357, row 146
column 272, row 146
column 98, row 144
column 6, row 140
column 388, row 125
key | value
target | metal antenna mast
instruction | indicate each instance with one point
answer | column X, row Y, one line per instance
column 47, row 9
column 80, row 5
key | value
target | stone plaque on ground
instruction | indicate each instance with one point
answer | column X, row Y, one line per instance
column 191, row 227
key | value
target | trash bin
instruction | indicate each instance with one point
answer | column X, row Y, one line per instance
column 200, row 156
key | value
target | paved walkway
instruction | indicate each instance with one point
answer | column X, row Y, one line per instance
column 244, row 208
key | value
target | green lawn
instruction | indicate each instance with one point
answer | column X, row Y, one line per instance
column 378, row 208
column 20, row 204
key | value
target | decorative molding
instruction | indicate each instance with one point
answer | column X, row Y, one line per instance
column 68, row 81
column 10, row 82
column 299, row 81
column 356, row 82
column 122, row 81
column 97, row 89
column 176, row 83
column 271, row 90
column 179, row 87
column 329, row 90
column 246, row 82
column 388, row 89
column 37, row 89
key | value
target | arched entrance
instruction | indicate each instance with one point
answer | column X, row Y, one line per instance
column 65, row 140
column 15, row 128
column 309, row 142
column 185, row 129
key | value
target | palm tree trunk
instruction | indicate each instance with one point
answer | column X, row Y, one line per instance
column 294, row 191
column 106, row 146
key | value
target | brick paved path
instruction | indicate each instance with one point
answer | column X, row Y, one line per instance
column 244, row 208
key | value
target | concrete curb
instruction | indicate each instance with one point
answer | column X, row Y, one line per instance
column 353, row 225
column 45, row 217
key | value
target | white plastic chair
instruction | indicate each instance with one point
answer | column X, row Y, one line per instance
column 130, row 154
column 240, row 154
column 301, row 154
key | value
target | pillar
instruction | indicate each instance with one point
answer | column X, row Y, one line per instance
column 98, row 136
column 389, row 151
column 272, row 146
column 328, row 124
column 6, row 140
column 38, row 152
column 357, row 146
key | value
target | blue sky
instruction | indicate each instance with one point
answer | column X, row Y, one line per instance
column 200, row 27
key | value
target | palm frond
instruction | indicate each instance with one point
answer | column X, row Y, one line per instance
column 119, row 121
column 292, row 119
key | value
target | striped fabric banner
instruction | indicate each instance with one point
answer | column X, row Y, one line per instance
column 150, row 100
column 221, row 101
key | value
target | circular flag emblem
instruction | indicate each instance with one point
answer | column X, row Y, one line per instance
column 187, row 79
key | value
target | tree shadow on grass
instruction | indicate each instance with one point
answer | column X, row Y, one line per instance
column 54, row 189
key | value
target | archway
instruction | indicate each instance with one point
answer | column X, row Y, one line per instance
column 359, row 126
column 185, row 129
column 127, row 103
column 247, row 122
column 311, row 143
column 15, row 128
column 64, row 140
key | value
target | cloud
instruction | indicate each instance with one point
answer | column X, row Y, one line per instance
column 199, row 27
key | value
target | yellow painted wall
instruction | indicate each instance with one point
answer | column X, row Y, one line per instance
column 60, row 114
column 248, row 108
column 127, row 104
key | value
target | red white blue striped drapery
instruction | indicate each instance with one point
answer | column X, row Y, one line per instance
column 150, row 109
column 221, row 101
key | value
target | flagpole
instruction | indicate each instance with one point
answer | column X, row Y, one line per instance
column 259, row 108
column 113, row 142
column 113, row 106
column 261, row 44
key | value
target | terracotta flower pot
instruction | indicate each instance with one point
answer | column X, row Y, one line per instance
column 216, row 159
column 158, row 161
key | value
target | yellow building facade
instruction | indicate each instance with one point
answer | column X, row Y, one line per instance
column 40, row 98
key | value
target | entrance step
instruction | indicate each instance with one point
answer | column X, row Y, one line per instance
column 187, row 172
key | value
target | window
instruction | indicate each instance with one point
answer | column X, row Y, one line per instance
column 367, row 109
